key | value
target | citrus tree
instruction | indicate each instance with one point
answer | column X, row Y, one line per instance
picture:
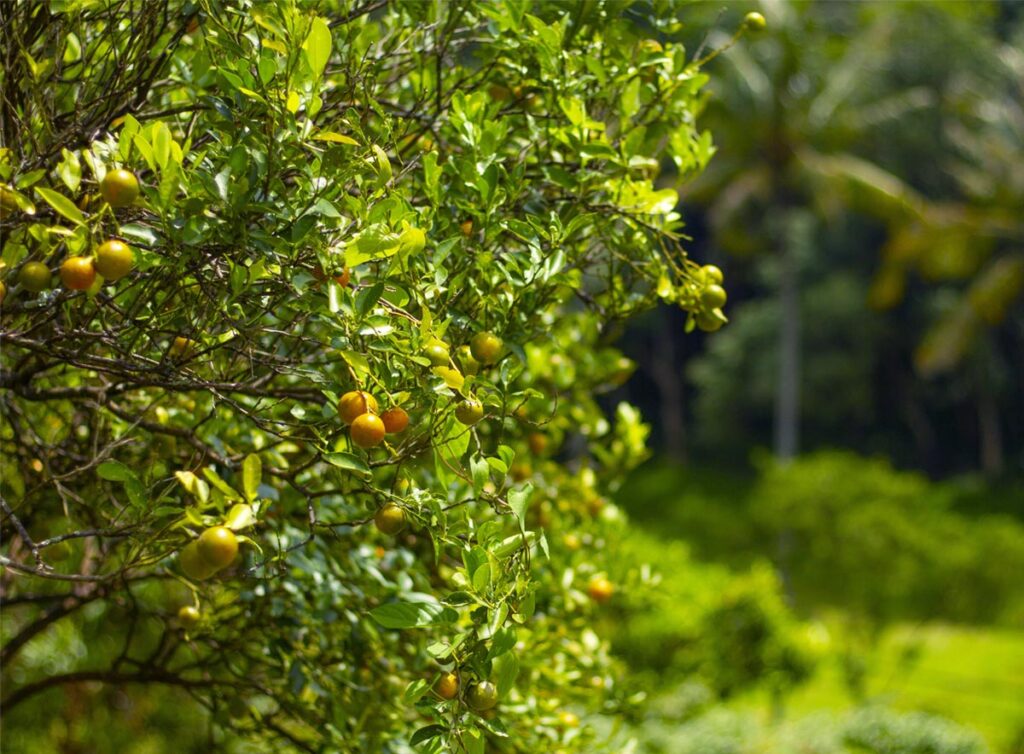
column 306, row 309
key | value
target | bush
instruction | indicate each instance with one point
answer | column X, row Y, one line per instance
column 847, row 520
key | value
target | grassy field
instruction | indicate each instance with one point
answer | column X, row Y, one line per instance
column 973, row 676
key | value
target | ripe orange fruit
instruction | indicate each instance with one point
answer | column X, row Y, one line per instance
column 77, row 273
column 469, row 411
column 341, row 278
column 188, row 616
column 395, row 420
column 34, row 276
column 114, row 259
column 466, row 228
column 367, row 431
column 390, row 519
column 192, row 563
column 600, row 589
column 482, row 696
column 447, row 687
column 119, row 188
column 218, row 547
column 538, row 443
column 355, row 403
column 486, row 347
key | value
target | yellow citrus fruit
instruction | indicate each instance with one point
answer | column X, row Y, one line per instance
column 754, row 21
column 119, row 188
column 486, row 347
column 218, row 547
column 600, row 589
column 114, row 259
column 355, row 403
column 367, row 431
column 390, row 519
column 188, row 616
column 469, row 411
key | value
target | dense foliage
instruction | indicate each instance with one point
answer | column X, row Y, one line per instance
column 255, row 211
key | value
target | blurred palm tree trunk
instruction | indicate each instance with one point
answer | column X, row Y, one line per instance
column 667, row 374
column 787, row 394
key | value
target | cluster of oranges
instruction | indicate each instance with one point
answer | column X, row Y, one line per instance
column 112, row 259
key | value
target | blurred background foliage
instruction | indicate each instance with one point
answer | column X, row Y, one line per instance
column 837, row 493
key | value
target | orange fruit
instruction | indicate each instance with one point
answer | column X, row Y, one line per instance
column 218, row 547
column 114, row 259
column 447, row 687
column 395, row 420
column 600, row 589
column 119, row 188
column 77, row 273
column 355, row 403
column 367, row 431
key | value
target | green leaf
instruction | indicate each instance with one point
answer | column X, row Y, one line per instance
column 318, row 46
column 413, row 614
column 114, row 471
column 415, row 690
column 518, row 500
column 252, row 473
column 426, row 733
column 61, row 204
column 347, row 461
column 336, row 138
column 506, row 668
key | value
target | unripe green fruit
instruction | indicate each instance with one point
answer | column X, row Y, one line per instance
column 390, row 519
column 712, row 275
column 437, row 352
column 469, row 411
column 34, row 277
column 218, row 547
column 754, row 21
column 486, row 347
column 188, row 616
column 713, row 297
column 482, row 696
column 711, row 321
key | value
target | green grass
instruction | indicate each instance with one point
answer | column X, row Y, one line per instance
column 974, row 676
